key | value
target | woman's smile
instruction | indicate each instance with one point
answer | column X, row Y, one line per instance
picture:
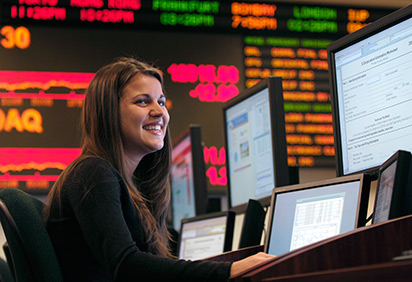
column 143, row 115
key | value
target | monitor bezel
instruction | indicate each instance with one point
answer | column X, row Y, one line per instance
column 362, row 205
column 199, row 168
column 336, row 46
column 279, row 145
column 230, row 226
column 401, row 190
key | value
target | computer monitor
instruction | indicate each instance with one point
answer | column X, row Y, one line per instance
column 393, row 193
column 371, row 92
column 255, row 141
column 188, row 176
column 307, row 213
column 206, row 235
column 253, row 225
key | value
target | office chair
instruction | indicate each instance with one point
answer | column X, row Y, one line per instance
column 9, row 261
column 5, row 273
column 32, row 254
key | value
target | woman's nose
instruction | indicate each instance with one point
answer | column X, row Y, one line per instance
column 156, row 110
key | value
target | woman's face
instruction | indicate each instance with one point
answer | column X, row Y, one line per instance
column 143, row 116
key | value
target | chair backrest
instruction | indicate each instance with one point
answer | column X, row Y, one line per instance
column 5, row 273
column 32, row 252
column 9, row 260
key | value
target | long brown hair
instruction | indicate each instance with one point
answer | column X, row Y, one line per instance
column 101, row 138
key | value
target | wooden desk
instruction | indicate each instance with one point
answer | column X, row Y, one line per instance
column 364, row 247
column 391, row 271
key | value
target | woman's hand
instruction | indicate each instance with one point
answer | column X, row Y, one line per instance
column 249, row 263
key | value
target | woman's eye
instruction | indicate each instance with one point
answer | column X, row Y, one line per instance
column 162, row 103
column 141, row 102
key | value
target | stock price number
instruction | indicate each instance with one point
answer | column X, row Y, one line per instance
column 15, row 37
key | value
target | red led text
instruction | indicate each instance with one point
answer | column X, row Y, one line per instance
column 216, row 161
column 217, row 84
column 106, row 16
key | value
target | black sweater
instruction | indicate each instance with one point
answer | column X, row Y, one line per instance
column 98, row 235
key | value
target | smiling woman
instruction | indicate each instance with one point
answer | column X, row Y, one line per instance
column 106, row 214
column 143, row 118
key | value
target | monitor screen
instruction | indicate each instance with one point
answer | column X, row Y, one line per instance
column 206, row 236
column 256, row 155
column 393, row 189
column 371, row 91
column 384, row 195
column 307, row 213
column 188, row 176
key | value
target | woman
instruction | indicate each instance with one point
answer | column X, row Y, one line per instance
column 106, row 214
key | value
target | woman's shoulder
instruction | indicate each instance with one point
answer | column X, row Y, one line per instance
column 95, row 168
column 93, row 161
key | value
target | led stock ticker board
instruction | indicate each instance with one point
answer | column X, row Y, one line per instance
column 302, row 65
column 205, row 15
column 281, row 39
column 39, row 146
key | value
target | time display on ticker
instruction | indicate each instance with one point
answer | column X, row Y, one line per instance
column 206, row 15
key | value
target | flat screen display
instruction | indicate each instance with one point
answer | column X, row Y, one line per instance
column 182, row 182
column 394, row 190
column 206, row 236
column 256, row 143
column 307, row 213
column 372, row 92
column 384, row 195
column 250, row 151
column 188, row 176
